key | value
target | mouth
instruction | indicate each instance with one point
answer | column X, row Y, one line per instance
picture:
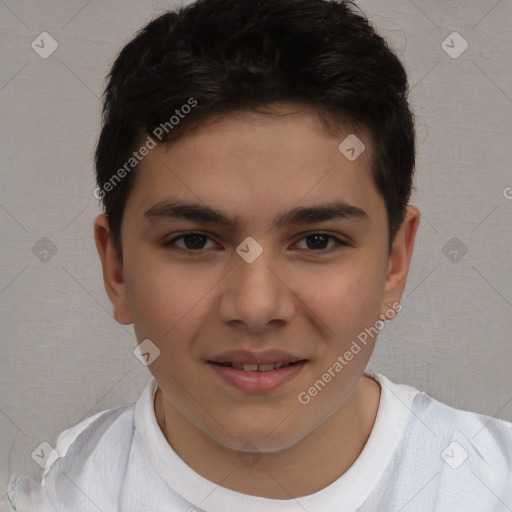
column 261, row 377
column 261, row 367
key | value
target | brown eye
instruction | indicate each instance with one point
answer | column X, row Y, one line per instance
column 317, row 242
column 194, row 241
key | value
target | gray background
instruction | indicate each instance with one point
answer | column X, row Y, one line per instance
column 65, row 358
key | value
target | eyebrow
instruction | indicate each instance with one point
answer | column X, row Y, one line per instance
column 299, row 215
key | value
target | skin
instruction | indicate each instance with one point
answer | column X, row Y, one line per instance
column 294, row 296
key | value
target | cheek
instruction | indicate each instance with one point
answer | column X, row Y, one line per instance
column 169, row 302
column 344, row 300
column 158, row 297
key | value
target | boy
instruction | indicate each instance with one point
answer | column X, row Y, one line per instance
column 257, row 130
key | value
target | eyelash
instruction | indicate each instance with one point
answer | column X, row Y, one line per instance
column 338, row 243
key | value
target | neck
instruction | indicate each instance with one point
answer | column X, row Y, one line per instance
column 279, row 475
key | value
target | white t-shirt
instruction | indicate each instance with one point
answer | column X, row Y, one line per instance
column 421, row 456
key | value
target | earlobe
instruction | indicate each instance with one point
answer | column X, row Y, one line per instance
column 113, row 275
column 390, row 311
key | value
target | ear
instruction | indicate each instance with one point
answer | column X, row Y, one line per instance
column 399, row 260
column 112, row 270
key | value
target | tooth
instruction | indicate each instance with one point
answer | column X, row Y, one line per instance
column 252, row 367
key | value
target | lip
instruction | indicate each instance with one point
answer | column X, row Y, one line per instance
column 258, row 382
column 251, row 357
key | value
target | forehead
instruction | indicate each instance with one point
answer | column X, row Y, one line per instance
column 253, row 164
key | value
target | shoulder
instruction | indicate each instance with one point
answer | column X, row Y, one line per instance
column 444, row 421
column 487, row 432
column 468, row 450
column 457, row 459
column 86, row 457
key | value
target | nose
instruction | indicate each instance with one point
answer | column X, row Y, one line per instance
column 257, row 294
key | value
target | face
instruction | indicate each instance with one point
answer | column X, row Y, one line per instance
column 259, row 280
